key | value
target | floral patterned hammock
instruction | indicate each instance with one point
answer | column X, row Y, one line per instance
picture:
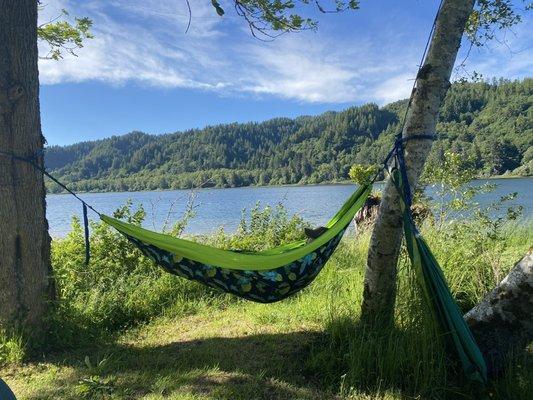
column 266, row 276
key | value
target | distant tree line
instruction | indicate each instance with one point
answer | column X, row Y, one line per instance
column 490, row 124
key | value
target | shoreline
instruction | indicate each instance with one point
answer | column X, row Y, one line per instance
column 344, row 182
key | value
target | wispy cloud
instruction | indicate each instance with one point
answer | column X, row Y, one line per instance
column 510, row 55
column 144, row 42
column 135, row 48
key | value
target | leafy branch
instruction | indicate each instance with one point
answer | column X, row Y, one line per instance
column 268, row 19
column 63, row 36
column 491, row 16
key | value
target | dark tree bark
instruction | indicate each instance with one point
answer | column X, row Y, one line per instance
column 25, row 279
column 432, row 84
column 503, row 322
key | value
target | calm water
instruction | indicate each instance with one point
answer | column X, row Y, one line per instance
column 223, row 207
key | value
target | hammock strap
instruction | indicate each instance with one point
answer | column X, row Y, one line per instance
column 33, row 160
column 86, row 234
column 399, row 149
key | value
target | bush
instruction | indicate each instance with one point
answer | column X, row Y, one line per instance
column 260, row 230
column 119, row 288
column 12, row 349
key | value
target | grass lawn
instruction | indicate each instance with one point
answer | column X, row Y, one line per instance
column 210, row 346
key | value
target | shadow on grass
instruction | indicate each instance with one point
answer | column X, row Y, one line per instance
column 264, row 366
column 298, row 365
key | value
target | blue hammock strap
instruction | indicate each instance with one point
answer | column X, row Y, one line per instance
column 398, row 148
column 33, row 160
column 398, row 152
column 86, row 235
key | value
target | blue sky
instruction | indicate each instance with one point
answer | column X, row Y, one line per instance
column 143, row 72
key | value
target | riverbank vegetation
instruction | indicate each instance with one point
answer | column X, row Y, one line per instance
column 488, row 124
column 124, row 329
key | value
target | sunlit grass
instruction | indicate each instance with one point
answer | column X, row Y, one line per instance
column 206, row 345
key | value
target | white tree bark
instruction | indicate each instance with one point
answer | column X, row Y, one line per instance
column 432, row 84
column 503, row 322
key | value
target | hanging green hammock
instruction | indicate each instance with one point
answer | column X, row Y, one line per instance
column 436, row 290
column 265, row 276
column 275, row 274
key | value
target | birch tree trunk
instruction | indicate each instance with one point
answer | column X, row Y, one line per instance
column 503, row 322
column 25, row 285
column 432, row 84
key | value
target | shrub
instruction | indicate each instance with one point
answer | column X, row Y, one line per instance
column 119, row 288
column 260, row 230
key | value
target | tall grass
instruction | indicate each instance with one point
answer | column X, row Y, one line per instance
column 412, row 358
column 120, row 289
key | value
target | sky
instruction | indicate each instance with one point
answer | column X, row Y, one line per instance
column 142, row 71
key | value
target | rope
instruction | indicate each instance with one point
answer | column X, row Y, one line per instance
column 422, row 60
column 86, row 235
column 32, row 160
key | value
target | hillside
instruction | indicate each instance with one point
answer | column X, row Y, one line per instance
column 490, row 123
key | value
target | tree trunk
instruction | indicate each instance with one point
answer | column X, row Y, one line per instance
column 25, row 284
column 432, row 84
column 503, row 322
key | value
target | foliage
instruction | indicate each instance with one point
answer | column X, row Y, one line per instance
column 12, row 349
column 362, row 174
column 460, row 217
column 489, row 16
column 119, row 287
column 270, row 18
column 487, row 123
column 262, row 229
column 63, row 36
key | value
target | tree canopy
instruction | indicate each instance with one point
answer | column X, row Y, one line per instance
column 489, row 124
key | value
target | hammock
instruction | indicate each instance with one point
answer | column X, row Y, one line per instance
column 265, row 276
column 433, row 282
column 272, row 275
column 275, row 274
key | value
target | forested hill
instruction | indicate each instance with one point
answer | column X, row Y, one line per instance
column 490, row 123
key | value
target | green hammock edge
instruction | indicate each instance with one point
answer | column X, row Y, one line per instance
column 437, row 292
column 269, row 259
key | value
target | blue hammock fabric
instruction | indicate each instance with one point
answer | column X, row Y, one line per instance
column 5, row 392
column 266, row 286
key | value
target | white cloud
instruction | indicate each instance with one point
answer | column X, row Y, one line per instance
column 394, row 88
column 294, row 69
column 143, row 41
column 130, row 51
column 510, row 55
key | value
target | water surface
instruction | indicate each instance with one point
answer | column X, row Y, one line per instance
column 223, row 207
